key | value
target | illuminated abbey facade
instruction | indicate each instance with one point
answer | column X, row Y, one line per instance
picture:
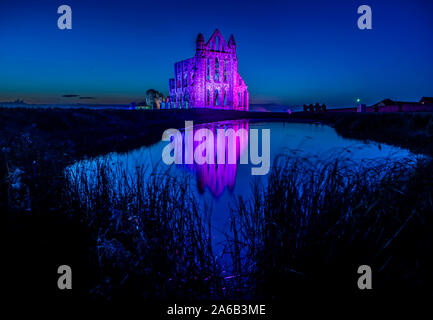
column 210, row 79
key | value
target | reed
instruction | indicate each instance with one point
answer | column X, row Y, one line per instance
column 308, row 230
column 152, row 235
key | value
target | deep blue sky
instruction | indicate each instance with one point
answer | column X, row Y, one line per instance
column 289, row 52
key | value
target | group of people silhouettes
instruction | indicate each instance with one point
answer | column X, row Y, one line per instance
column 315, row 108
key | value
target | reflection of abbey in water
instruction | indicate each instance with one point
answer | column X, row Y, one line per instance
column 216, row 176
column 210, row 79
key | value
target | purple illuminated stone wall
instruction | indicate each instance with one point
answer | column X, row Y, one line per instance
column 210, row 79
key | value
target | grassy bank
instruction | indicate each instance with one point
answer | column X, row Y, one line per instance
column 73, row 133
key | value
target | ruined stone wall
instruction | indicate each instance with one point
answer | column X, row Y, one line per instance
column 210, row 79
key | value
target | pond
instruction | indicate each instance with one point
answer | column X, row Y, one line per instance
column 218, row 184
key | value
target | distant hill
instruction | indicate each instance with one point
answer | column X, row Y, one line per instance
column 22, row 104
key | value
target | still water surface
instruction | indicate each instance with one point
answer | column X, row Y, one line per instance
column 218, row 184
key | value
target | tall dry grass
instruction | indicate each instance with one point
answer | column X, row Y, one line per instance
column 303, row 233
column 307, row 231
column 152, row 235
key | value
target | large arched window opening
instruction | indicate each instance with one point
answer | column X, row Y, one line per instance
column 217, row 70
column 186, row 103
column 208, row 97
column 208, row 69
column 225, row 70
column 225, row 97
column 216, row 97
column 240, row 99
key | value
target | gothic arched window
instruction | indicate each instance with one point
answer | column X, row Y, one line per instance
column 240, row 99
column 225, row 70
column 208, row 70
column 216, row 97
column 208, row 97
column 217, row 70
column 225, row 97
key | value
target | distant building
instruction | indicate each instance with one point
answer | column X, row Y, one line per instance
column 426, row 100
column 389, row 105
column 210, row 79
column 389, row 102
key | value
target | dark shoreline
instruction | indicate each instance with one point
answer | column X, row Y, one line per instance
column 71, row 134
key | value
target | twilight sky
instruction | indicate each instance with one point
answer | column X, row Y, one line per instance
column 289, row 52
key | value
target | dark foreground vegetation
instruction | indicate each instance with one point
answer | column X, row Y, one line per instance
column 308, row 231
column 302, row 235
